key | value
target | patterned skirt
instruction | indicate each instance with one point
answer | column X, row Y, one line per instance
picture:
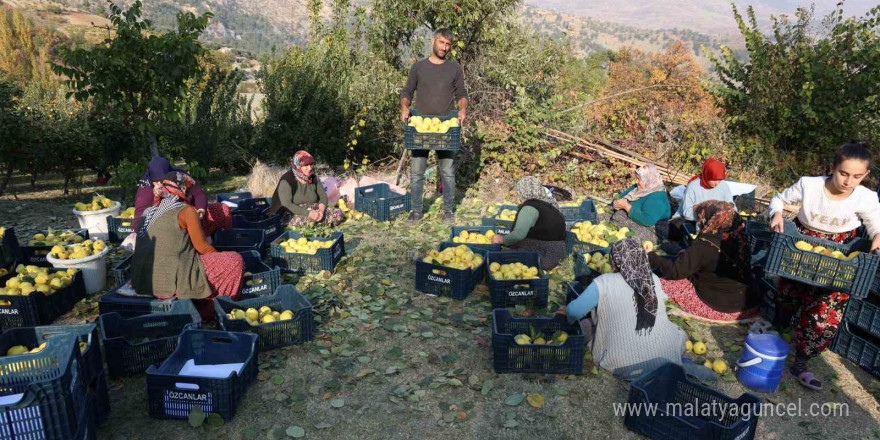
column 224, row 271
column 217, row 218
column 683, row 293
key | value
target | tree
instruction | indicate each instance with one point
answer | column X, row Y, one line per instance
column 138, row 73
column 803, row 93
column 12, row 129
column 398, row 26
column 24, row 61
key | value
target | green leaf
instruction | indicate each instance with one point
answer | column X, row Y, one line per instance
column 215, row 420
column 514, row 400
column 487, row 386
column 196, row 416
column 337, row 403
column 249, row 434
column 277, row 379
column 295, row 431
column 323, row 425
column 511, row 423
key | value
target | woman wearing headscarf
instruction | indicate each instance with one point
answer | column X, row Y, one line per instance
column 172, row 257
column 628, row 330
column 708, row 185
column 213, row 216
column 711, row 279
column 539, row 225
column 300, row 196
column 646, row 202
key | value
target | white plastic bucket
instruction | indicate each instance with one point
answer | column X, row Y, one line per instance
column 93, row 268
column 96, row 221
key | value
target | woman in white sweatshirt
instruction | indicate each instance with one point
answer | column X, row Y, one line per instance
column 832, row 208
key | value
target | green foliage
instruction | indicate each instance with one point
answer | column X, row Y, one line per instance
column 128, row 173
column 137, row 73
column 313, row 95
column 800, row 92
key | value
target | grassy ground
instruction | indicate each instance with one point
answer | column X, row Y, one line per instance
column 389, row 353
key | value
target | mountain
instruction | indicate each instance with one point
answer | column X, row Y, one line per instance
column 705, row 16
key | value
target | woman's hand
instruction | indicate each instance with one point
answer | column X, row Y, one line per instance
column 314, row 215
column 321, row 209
column 561, row 311
column 201, row 213
column 875, row 245
column 777, row 223
column 617, row 204
column 622, row 204
column 498, row 238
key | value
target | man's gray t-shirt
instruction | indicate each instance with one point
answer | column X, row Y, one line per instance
column 438, row 86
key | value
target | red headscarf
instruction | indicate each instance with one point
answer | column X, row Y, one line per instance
column 712, row 170
column 300, row 159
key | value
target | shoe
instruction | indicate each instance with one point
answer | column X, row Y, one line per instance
column 413, row 218
column 448, row 218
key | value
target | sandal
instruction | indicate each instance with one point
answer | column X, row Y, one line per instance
column 805, row 377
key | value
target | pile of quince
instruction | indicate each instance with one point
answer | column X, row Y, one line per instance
column 82, row 250
column 2, row 231
column 558, row 338
column 807, row 247
column 52, row 238
column 572, row 204
column 458, row 257
column 32, row 279
column 602, row 234
column 98, row 203
column 513, row 271
column 506, row 214
column 128, row 213
column 303, row 245
column 21, row 349
column 265, row 315
column 432, row 124
column 474, row 237
column 598, row 262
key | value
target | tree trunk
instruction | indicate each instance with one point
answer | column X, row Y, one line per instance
column 66, row 185
column 6, row 179
column 33, row 181
column 154, row 144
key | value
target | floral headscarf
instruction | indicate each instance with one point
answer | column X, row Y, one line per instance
column 722, row 227
column 529, row 188
column 300, row 159
column 715, row 216
column 631, row 261
column 173, row 192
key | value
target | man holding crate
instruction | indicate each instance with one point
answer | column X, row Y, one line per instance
column 439, row 83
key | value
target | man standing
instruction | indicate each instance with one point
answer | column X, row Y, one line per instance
column 438, row 82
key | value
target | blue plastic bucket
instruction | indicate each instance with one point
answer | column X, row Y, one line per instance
column 762, row 362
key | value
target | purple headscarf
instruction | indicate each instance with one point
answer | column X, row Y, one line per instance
column 156, row 170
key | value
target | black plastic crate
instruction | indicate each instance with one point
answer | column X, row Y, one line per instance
column 323, row 259
column 501, row 226
column 456, row 230
column 575, row 246
column 88, row 423
column 172, row 396
column 586, row 211
column 37, row 308
column 133, row 344
column 850, row 276
column 509, row 293
column 510, row 357
column 380, row 203
column 93, row 361
column 270, row 226
column 99, row 392
column 240, row 240
column 233, row 197
column 769, row 306
column 277, row 334
column 858, row 346
column 131, row 306
column 865, row 314
column 9, row 247
column 449, row 141
column 253, row 209
column 446, row 281
column 760, row 236
column 582, row 271
column 119, row 228
column 51, row 383
column 677, row 399
column 36, row 255
column 122, row 272
column 264, row 279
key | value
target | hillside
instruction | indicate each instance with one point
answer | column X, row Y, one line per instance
column 706, row 16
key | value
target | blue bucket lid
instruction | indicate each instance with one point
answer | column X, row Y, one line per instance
column 767, row 344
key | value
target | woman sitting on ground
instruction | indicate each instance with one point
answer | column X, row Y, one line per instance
column 300, row 197
column 711, row 279
column 213, row 216
column 625, row 342
column 646, row 203
column 172, row 257
column 708, row 185
column 539, row 225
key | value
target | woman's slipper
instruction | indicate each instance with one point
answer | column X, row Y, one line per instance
column 808, row 380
